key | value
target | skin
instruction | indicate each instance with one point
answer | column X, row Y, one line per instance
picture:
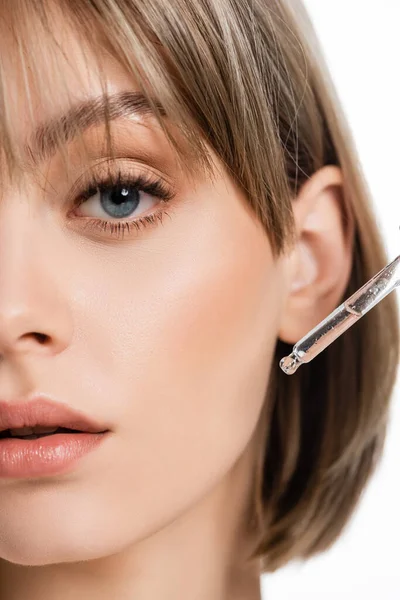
column 168, row 337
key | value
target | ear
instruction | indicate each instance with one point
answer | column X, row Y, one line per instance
column 319, row 266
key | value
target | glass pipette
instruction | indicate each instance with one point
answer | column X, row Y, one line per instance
column 343, row 317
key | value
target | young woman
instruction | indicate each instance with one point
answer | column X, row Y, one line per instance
column 180, row 203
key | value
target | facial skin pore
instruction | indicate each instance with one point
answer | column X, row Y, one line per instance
column 168, row 335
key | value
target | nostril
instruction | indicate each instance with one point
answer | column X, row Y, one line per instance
column 42, row 338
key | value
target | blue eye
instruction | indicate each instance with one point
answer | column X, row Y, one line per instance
column 119, row 196
column 119, row 201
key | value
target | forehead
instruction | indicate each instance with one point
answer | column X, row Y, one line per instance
column 48, row 74
column 44, row 75
column 60, row 82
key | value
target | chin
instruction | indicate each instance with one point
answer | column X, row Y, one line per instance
column 48, row 550
column 76, row 538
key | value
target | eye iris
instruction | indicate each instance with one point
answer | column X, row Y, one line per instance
column 119, row 201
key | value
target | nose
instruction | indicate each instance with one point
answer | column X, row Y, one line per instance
column 34, row 316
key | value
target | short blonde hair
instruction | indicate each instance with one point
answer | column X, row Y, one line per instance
column 249, row 80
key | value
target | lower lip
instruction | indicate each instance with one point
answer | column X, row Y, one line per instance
column 50, row 455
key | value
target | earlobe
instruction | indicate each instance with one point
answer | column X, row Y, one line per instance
column 321, row 261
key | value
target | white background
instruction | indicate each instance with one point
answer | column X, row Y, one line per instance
column 361, row 41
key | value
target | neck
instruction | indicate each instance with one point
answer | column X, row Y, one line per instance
column 203, row 554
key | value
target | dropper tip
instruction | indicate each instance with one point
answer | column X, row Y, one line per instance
column 290, row 364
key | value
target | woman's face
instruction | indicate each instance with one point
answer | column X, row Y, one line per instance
column 166, row 334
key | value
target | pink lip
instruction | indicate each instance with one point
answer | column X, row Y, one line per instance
column 49, row 455
column 42, row 411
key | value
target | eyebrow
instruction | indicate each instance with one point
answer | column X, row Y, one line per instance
column 86, row 114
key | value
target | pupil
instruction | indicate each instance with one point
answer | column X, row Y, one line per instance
column 120, row 201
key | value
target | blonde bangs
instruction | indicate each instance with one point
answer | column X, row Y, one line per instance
column 38, row 63
column 177, row 63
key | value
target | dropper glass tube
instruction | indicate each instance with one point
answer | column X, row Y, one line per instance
column 341, row 319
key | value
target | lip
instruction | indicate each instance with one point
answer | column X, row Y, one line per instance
column 45, row 456
column 49, row 455
column 43, row 411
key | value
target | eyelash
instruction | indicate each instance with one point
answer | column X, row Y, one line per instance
column 105, row 183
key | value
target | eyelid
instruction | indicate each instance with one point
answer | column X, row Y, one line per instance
column 140, row 139
column 106, row 168
column 115, row 176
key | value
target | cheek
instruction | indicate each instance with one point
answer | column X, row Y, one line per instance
column 190, row 324
column 182, row 343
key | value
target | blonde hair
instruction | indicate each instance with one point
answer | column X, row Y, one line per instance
column 248, row 79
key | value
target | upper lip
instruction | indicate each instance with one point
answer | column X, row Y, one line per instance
column 45, row 412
